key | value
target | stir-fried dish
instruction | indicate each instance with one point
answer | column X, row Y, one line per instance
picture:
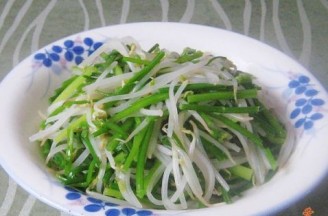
column 159, row 129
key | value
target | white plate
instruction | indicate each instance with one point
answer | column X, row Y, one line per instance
column 290, row 89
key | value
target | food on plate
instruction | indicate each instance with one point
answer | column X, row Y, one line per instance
column 160, row 129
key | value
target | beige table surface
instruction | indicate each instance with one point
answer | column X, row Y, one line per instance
column 298, row 28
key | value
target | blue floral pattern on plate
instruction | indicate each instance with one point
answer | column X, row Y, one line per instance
column 97, row 205
column 307, row 105
column 57, row 58
column 71, row 51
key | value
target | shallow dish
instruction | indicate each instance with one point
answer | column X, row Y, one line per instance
column 291, row 90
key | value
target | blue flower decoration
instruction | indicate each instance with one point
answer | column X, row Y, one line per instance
column 97, row 205
column 70, row 51
column 303, row 112
column 92, row 46
column 47, row 58
column 72, row 194
column 73, row 52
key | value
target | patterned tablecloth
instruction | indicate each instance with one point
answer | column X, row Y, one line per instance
column 298, row 28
